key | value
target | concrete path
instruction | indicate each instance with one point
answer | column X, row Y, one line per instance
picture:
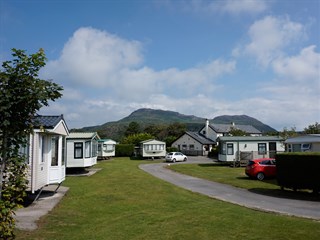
column 242, row 197
column 26, row 218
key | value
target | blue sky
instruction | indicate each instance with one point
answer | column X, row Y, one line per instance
column 197, row 57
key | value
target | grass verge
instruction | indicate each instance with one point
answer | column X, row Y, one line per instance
column 123, row 202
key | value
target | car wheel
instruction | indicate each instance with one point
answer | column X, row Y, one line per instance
column 174, row 160
column 260, row 176
column 185, row 159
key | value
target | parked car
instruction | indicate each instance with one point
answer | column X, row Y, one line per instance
column 176, row 157
column 261, row 168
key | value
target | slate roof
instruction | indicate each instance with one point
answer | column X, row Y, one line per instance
column 200, row 138
column 225, row 128
column 82, row 135
column 310, row 138
column 48, row 122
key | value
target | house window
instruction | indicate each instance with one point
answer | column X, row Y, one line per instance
column 184, row 147
column 191, row 147
column 78, row 150
column 262, row 148
column 54, row 151
column 230, row 149
column 87, row 148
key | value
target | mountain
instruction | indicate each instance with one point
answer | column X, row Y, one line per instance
column 243, row 120
column 145, row 117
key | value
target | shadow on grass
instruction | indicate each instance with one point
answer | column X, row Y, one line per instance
column 288, row 194
column 217, row 164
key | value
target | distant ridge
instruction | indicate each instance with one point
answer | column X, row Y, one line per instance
column 147, row 116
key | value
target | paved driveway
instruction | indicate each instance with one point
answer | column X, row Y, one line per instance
column 242, row 197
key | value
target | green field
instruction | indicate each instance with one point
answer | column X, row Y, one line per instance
column 123, row 202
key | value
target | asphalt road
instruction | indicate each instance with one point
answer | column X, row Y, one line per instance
column 242, row 197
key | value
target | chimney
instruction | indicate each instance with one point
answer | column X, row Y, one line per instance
column 207, row 128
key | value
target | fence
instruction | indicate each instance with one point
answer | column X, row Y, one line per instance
column 243, row 157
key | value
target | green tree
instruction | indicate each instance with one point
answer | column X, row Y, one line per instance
column 312, row 129
column 136, row 138
column 22, row 94
column 287, row 133
column 133, row 128
column 237, row 132
column 176, row 129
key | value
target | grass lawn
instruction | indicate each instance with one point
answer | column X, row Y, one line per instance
column 123, row 202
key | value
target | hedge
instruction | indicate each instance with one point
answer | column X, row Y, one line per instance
column 299, row 170
column 124, row 150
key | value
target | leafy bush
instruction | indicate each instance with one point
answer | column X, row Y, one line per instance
column 172, row 149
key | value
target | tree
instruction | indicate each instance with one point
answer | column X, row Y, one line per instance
column 133, row 128
column 313, row 129
column 137, row 138
column 237, row 132
column 22, row 94
column 287, row 133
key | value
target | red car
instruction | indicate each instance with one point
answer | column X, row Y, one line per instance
column 261, row 168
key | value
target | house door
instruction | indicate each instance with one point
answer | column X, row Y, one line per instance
column 272, row 149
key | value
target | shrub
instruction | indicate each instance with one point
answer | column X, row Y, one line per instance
column 172, row 149
column 124, row 150
column 298, row 170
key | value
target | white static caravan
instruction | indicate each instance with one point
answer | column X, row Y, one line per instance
column 82, row 149
column 305, row 143
column 152, row 148
column 249, row 147
column 106, row 148
column 46, row 152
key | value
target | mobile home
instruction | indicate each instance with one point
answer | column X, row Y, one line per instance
column 106, row 148
column 152, row 148
column 46, row 152
column 82, row 149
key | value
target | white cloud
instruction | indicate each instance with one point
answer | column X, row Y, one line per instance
column 303, row 68
column 269, row 36
column 243, row 6
column 232, row 7
column 94, row 57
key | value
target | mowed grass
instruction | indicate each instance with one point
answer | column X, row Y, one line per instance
column 123, row 202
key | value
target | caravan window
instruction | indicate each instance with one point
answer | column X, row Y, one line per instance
column 230, row 149
column 78, row 150
column 54, row 151
column 305, row 147
column 87, row 149
column 262, row 148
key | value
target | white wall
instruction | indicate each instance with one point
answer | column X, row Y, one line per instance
column 187, row 140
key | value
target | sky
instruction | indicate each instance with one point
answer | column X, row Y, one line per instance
column 197, row 57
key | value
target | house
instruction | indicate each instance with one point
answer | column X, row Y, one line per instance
column 45, row 152
column 152, row 148
column 248, row 147
column 201, row 143
column 194, row 144
column 106, row 148
column 82, row 149
column 305, row 143
column 213, row 131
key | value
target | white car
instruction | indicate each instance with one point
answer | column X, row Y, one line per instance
column 176, row 157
